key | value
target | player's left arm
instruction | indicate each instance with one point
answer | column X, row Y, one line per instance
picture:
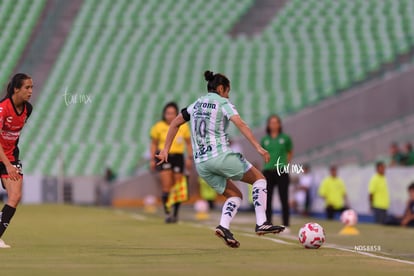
column 289, row 156
column 290, row 150
column 12, row 171
column 346, row 200
column 371, row 190
column 322, row 189
column 246, row 131
column 172, row 132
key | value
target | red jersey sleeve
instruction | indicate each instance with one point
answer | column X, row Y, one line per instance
column 3, row 115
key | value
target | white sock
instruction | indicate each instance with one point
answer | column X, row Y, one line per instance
column 229, row 210
column 259, row 194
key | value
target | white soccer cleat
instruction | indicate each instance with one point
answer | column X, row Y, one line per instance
column 3, row 244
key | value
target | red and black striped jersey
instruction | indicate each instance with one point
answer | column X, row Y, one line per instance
column 11, row 123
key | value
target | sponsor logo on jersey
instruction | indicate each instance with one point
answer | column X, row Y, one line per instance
column 9, row 135
column 205, row 105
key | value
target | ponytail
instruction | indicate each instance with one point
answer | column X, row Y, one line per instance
column 214, row 80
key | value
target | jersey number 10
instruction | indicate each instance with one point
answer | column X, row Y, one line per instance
column 200, row 127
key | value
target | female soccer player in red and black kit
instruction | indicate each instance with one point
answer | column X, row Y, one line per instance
column 14, row 111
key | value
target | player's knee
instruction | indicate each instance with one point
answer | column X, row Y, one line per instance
column 14, row 199
column 166, row 187
column 233, row 193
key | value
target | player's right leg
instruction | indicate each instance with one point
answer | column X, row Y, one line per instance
column 167, row 181
column 207, row 171
column 14, row 193
column 270, row 177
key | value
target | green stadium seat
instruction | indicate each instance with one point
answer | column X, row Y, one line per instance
column 17, row 21
column 131, row 57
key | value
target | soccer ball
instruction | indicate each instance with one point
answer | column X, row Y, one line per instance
column 349, row 217
column 312, row 235
column 201, row 206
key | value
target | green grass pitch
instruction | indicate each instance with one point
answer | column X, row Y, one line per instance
column 68, row 240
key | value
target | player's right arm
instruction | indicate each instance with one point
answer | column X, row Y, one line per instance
column 172, row 132
column 246, row 131
column 322, row 189
column 153, row 151
column 12, row 171
column 371, row 190
column 153, row 145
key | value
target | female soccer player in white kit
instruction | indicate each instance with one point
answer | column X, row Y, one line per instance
column 215, row 162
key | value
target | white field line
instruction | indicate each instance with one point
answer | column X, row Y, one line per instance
column 275, row 240
column 327, row 245
column 131, row 215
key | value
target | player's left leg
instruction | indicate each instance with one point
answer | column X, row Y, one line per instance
column 177, row 174
column 270, row 177
column 178, row 177
column 330, row 212
column 283, row 188
column 229, row 211
column 14, row 193
column 167, row 181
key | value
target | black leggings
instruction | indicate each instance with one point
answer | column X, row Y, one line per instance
column 282, row 181
column 330, row 211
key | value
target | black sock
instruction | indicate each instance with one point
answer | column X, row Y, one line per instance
column 176, row 208
column 6, row 215
column 164, row 199
column 210, row 204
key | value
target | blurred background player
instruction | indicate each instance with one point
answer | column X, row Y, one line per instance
column 215, row 161
column 172, row 171
column 207, row 193
column 279, row 145
column 409, row 155
column 397, row 157
column 408, row 217
column 379, row 197
column 333, row 191
column 105, row 188
column 14, row 112
column 302, row 197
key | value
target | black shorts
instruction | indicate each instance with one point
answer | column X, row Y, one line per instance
column 175, row 163
column 4, row 173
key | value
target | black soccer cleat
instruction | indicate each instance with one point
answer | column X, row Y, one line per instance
column 227, row 237
column 267, row 228
column 171, row 219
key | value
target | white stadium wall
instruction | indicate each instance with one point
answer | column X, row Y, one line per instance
column 85, row 190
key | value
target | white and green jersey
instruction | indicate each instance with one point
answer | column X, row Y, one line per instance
column 209, row 118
